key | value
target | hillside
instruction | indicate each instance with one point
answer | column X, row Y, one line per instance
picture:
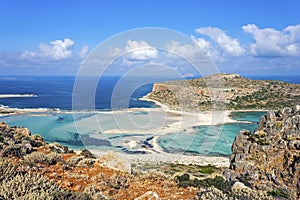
column 225, row 91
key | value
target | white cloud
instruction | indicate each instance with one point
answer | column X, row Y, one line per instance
column 185, row 50
column 211, row 50
column 28, row 55
column 140, row 50
column 202, row 43
column 84, row 51
column 270, row 42
column 228, row 45
column 55, row 50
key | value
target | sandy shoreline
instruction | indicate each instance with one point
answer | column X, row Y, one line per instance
column 157, row 158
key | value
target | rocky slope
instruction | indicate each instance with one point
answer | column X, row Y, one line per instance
column 269, row 158
column 225, row 91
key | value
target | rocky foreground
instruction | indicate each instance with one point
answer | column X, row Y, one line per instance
column 225, row 92
column 264, row 165
column 269, row 158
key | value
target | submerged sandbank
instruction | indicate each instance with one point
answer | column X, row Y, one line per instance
column 144, row 127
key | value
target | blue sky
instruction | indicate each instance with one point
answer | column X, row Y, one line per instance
column 53, row 37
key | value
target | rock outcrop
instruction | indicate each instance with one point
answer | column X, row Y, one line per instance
column 269, row 158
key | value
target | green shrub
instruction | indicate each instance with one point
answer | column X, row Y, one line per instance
column 87, row 154
column 1, row 139
column 54, row 158
column 218, row 182
column 86, row 162
column 15, row 151
column 207, row 169
column 40, row 157
column 28, row 185
column 183, row 178
column 31, row 186
column 74, row 160
column 7, row 170
column 95, row 193
column 118, row 181
column 263, row 142
column 279, row 124
column 279, row 193
column 16, row 185
column 36, row 157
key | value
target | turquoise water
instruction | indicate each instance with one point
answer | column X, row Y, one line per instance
column 88, row 131
column 57, row 92
column 210, row 140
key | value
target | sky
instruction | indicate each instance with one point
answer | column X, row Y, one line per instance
column 53, row 37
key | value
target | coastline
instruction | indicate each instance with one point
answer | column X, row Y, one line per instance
column 156, row 158
column 176, row 121
column 145, row 98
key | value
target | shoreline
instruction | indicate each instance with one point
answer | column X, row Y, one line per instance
column 178, row 121
column 145, row 98
column 156, row 158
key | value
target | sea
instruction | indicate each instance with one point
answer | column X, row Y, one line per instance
column 56, row 92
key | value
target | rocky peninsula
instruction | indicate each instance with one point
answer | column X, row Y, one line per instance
column 225, row 92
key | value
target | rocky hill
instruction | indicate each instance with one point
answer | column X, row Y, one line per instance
column 269, row 158
column 225, row 91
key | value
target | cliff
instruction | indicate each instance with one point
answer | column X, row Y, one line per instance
column 225, row 91
column 269, row 158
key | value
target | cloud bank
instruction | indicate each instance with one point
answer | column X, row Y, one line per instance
column 267, row 48
column 229, row 46
column 55, row 50
column 269, row 42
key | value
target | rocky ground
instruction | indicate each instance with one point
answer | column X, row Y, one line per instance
column 269, row 158
column 225, row 92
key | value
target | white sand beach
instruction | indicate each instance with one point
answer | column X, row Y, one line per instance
column 156, row 158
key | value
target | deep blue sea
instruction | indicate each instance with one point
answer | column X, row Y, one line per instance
column 56, row 92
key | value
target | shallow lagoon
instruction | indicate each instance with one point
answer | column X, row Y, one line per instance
column 103, row 131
